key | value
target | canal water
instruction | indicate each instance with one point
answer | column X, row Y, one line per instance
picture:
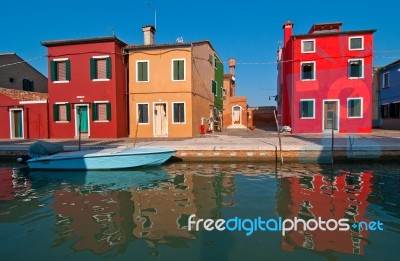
column 144, row 214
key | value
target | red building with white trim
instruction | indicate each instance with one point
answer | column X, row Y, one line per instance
column 87, row 81
column 325, row 79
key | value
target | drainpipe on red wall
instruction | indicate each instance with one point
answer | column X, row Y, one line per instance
column 48, row 119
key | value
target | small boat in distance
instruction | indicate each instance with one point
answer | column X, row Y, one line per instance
column 109, row 158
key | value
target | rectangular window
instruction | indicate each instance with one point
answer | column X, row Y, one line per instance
column 214, row 87
column 100, row 68
column 178, row 70
column 307, row 109
column 356, row 43
column 143, row 113
column 385, row 111
column 60, row 70
column 308, row 46
column 308, row 71
column 142, row 71
column 179, row 112
column 101, row 111
column 385, row 82
column 61, row 112
column 354, row 108
column 27, row 85
column 394, row 110
column 356, row 68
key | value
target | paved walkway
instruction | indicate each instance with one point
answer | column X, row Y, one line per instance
column 242, row 143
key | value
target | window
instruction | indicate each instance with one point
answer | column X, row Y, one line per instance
column 100, row 68
column 308, row 46
column 27, row 85
column 215, row 63
column 385, row 111
column 61, row 112
column 179, row 112
column 308, row 71
column 385, row 83
column 356, row 43
column 60, row 70
column 307, row 108
column 101, row 111
column 214, row 87
column 142, row 71
column 354, row 108
column 356, row 68
column 394, row 110
column 178, row 70
column 143, row 113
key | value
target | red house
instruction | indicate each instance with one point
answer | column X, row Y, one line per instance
column 87, row 88
column 23, row 114
column 325, row 79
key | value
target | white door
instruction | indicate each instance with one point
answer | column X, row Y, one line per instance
column 160, row 120
column 236, row 115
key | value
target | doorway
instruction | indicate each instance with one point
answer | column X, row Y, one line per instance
column 16, row 124
column 236, row 115
column 331, row 115
column 160, row 120
column 82, row 120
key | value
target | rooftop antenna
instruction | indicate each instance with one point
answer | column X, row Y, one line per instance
column 155, row 14
column 112, row 29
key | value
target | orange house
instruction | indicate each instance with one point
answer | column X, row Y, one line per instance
column 170, row 87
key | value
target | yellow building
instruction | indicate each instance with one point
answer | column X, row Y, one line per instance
column 170, row 87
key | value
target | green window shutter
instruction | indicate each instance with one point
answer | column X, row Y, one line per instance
column 145, row 72
column 108, row 111
column 108, row 67
column 182, row 112
column 181, row 70
column 94, row 112
column 140, row 71
column 53, row 71
column 55, row 112
column 93, row 68
column 67, row 70
column 176, row 70
column 68, row 111
column 214, row 87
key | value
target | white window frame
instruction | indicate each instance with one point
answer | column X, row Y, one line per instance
column 361, row 108
column 101, row 102
column 184, row 69
column 148, row 70
column 60, row 60
column 148, row 113
column 98, row 58
column 314, row 112
column 22, row 120
column 362, row 43
column 383, row 79
column 173, row 115
column 302, row 46
column 315, row 71
column 362, row 68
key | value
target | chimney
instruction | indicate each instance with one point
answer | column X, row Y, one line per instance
column 148, row 34
column 232, row 65
column 287, row 32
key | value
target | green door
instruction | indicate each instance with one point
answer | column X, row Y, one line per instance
column 16, row 124
column 82, row 119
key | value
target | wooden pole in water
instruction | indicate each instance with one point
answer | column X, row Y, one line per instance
column 279, row 137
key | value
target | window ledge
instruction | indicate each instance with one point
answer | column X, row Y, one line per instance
column 60, row 81
column 62, row 121
column 102, row 121
column 355, row 117
column 100, row 80
column 307, row 118
column 179, row 123
column 307, row 80
column 355, row 78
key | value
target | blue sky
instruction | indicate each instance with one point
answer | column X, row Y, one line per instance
column 249, row 31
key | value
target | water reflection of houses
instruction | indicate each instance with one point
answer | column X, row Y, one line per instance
column 161, row 213
column 328, row 197
column 103, row 217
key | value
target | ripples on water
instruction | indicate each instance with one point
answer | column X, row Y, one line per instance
column 144, row 212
